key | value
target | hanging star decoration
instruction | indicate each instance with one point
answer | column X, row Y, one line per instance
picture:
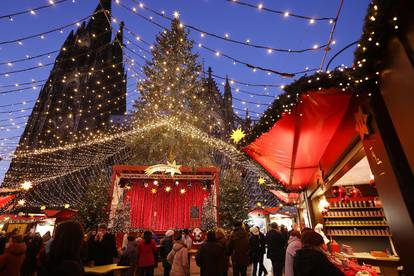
column 169, row 168
column 237, row 135
column 262, row 181
column 361, row 123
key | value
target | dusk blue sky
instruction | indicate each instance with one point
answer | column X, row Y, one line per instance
column 215, row 16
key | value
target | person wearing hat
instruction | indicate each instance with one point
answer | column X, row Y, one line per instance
column 166, row 246
column 103, row 247
column 311, row 260
column 257, row 250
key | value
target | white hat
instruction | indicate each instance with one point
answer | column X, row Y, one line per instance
column 254, row 230
column 169, row 233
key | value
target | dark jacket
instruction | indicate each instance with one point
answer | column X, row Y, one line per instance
column 165, row 249
column 211, row 258
column 12, row 258
column 311, row 262
column 275, row 245
column 239, row 247
column 66, row 268
column 257, row 247
column 103, row 252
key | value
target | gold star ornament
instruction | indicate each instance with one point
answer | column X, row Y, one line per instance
column 261, row 181
column 237, row 135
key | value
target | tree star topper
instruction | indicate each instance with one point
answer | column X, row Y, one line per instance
column 171, row 168
column 237, row 135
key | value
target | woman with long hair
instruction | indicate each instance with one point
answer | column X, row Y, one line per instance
column 64, row 256
column 146, row 255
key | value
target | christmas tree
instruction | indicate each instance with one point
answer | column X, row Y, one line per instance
column 122, row 221
column 208, row 219
column 94, row 207
column 233, row 200
column 172, row 89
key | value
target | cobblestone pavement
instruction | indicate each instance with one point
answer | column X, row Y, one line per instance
column 195, row 270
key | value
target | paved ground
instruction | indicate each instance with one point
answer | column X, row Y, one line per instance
column 195, row 270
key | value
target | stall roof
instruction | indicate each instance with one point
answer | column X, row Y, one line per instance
column 291, row 151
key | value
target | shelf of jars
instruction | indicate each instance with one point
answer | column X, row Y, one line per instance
column 355, row 204
column 356, row 223
column 355, row 214
column 359, row 232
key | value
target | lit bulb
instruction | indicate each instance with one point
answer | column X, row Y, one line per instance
column 312, row 21
column 260, row 6
column 176, row 14
column 286, row 14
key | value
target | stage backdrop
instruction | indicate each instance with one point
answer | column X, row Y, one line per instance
column 166, row 210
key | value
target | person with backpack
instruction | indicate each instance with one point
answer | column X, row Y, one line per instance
column 129, row 257
column 165, row 249
column 178, row 257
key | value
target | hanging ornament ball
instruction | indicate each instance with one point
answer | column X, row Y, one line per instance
column 335, row 191
column 355, row 193
column 372, row 182
column 341, row 192
column 345, row 200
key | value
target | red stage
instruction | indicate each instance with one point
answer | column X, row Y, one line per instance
column 162, row 201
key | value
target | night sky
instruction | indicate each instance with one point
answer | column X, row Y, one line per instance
column 216, row 16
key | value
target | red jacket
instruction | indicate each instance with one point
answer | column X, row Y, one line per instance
column 12, row 259
column 146, row 253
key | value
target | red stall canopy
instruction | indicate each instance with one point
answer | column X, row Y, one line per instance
column 292, row 149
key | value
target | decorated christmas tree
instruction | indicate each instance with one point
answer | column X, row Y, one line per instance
column 121, row 222
column 172, row 89
column 233, row 200
column 94, row 207
column 208, row 220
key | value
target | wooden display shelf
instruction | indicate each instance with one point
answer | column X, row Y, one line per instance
column 381, row 216
column 357, row 225
column 347, row 208
column 359, row 235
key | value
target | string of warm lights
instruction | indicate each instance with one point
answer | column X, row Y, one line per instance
column 226, row 37
column 33, row 11
column 28, row 57
column 285, row 14
column 41, row 35
column 221, row 53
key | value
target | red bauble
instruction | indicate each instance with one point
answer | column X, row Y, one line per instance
column 372, row 182
column 341, row 192
column 345, row 199
column 355, row 193
column 335, row 191
column 324, row 212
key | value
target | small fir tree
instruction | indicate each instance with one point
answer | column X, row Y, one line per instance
column 233, row 200
column 208, row 218
column 94, row 207
column 121, row 222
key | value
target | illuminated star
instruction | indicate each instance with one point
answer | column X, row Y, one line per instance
column 153, row 190
column 176, row 14
column 261, row 181
column 237, row 135
column 27, row 185
column 172, row 168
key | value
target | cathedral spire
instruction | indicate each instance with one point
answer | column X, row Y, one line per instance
column 100, row 22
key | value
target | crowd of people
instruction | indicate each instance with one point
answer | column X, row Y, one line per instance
column 292, row 253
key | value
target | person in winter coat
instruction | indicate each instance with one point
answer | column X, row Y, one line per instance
column 146, row 255
column 33, row 244
column 294, row 244
column 311, row 260
column 275, row 248
column 12, row 258
column 103, row 247
column 221, row 239
column 178, row 257
column 257, row 250
column 211, row 256
column 165, row 249
column 239, row 249
column 130, row 255
column 64, row 258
